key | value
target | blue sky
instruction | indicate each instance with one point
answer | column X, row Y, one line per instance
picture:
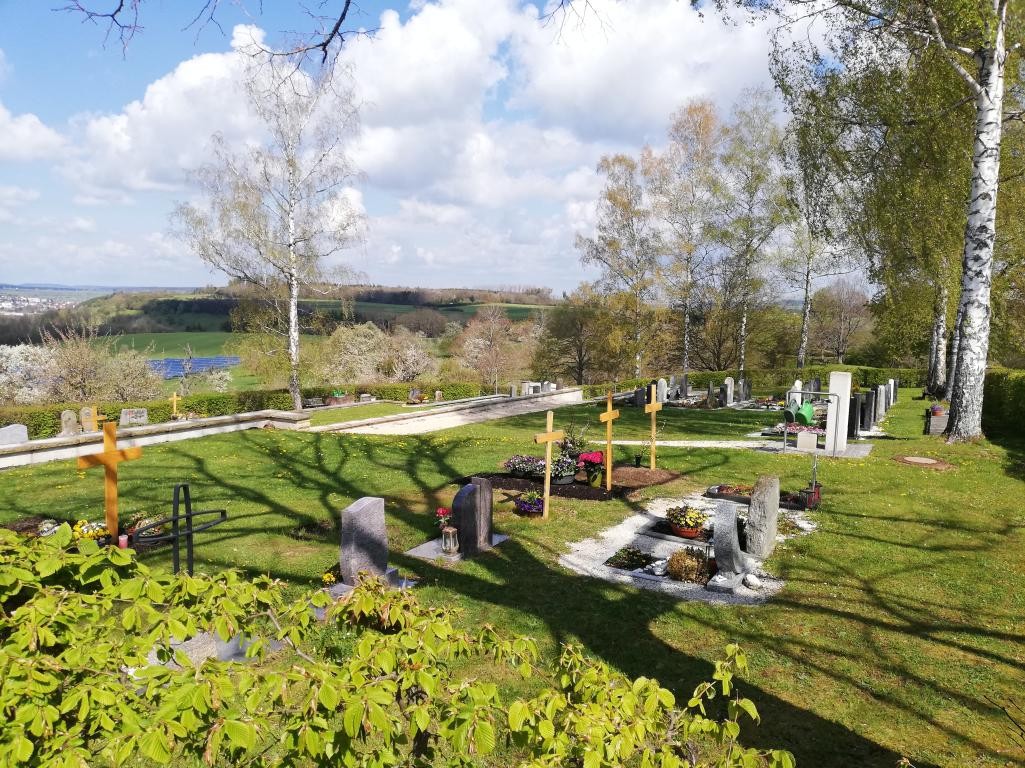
column 481, row 128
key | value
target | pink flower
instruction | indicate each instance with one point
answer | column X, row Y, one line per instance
column 594, row 457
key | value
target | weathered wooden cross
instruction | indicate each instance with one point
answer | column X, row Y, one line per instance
column 653, row 408
column 607, row 418
column 174, row 403
column 548, row 437
column 109, row 460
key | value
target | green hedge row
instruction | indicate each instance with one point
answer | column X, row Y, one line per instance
column 781, row 378
column 1003, row 404
column 45, row 420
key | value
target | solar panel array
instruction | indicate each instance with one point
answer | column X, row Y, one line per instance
column 172, row 367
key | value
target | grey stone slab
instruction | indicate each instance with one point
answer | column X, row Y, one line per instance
column 13, row 434
column 762, row 517
column 364, row 545
column 730, row 390
column 661, row 390
column 133, row 417
column 431, row 550
column 732, row 562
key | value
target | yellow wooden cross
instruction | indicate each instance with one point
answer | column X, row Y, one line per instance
column 109, row 460
column 607, row 418
column 653, row 408
column 174, row 403
column 548, row 437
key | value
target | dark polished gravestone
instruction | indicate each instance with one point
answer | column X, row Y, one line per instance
column 854, row 415
column 640, row 397
column 732, row 562
column 472, row 513
column 722, row 400
column 868, row 410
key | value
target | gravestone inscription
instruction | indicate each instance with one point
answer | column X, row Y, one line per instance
column 133, row 417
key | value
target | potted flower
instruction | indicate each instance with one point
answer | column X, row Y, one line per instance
column 573, row 443
column 564, row 469
column 529, row 503
column 536, row 467
column 687, row 522
column 592, row 464
column 518, row 465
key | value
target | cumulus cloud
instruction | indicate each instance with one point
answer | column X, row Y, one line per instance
column 12, row 197
column 481, row 127
column 25, row 137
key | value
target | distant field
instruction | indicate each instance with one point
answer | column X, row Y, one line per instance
column 161, row 345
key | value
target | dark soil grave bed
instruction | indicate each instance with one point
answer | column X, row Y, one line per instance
column 27, row 526
column 663, row 528
column 787, row 499
column 624, row 480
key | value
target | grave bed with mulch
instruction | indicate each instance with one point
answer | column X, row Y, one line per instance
column 625, row 479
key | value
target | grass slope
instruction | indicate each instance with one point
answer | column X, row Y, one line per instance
column 161, row 345
column 901, row 619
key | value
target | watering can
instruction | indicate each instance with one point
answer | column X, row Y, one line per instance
column 805, row 415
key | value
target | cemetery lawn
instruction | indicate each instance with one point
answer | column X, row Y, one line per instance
column 320, row 417
column 901, row 621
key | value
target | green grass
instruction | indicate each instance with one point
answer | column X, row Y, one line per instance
column 355, row 413
column 901, row 618
column 161, row 345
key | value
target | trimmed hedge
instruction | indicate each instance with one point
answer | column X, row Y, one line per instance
column 1003, row 404
column 781, row 378
column 45, row 420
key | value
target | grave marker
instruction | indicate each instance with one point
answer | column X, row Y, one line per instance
column 109, row 460
column 794, row 395
column 836, row 415
column 364, row 544
column 13, row 434
column 90, row 418
column 880, row 403
column 548, row 437
column 472, row 510
column 133, row 417
column 653, row 408
column 711, row 393
column 868, row 411
column 762, row 517
column 640, row 399
column 661, row 390
column 173, row 399
column 730, row 387
column 732, row 562
column 607, row 418
column 69, row 424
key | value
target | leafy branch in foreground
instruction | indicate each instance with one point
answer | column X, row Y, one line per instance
column 91, row 674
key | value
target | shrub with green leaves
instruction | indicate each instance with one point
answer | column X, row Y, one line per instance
column 87, row 635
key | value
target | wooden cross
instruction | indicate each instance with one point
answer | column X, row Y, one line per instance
column 607, row 418
column 549, row 437
column 174, row 403
column 109, row 460
column 653, row 408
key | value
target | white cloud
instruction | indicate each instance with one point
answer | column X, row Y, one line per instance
column 12, row 197
column 25, row 137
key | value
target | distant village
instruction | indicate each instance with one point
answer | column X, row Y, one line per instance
column 25, row 304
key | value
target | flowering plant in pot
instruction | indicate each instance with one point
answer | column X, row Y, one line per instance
column 574, row 441
column 530, row 503
column 564, row 469
column 592, row 464
column 686, row 521
column 522, row 466
column 443, row 517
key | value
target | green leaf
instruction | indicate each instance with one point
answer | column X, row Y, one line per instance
column 153, row 744
column 242, row 735
column 484, row 737
column 518, row 714
column 547, row 729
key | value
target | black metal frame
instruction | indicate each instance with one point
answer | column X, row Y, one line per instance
column 138, row 536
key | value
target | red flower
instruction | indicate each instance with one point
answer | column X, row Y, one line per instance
column 594, row 457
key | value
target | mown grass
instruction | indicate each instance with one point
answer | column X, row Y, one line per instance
column 357, row 412
column 900, row 624
column 161, row 345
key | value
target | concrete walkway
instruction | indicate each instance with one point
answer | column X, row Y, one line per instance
column 457, row 416
column 854, row 450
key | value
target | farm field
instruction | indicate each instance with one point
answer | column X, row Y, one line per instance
column 893, row 636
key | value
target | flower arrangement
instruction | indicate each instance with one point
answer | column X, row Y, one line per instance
column 686, row 517
column 47, row 528
column 589, row 460
column 443, row 517
column 574, row 441
column 793, row 427
column 725, row 489
column 141, row 522
column 525, row 466
column 564, row 466
column 85, row 530
column 530, row 503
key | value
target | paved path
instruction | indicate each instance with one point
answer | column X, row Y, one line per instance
column 439, row 418
column 854, row 450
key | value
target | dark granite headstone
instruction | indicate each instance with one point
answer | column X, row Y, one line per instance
column 472, row 515
column 723, row 395
column 762, row 517
column 640, row 397
column 854, row 414
column 364, row 540
column 868, row 411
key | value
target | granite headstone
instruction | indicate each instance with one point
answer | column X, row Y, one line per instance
column 762, row 517
column 69, row 424
column 364, row 544
column 13, row 433
column 732, row 562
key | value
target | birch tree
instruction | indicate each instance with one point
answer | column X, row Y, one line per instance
column 278, row 211
column 976, row 40
column 626, row 245
column 681, row 181
column 750, row 201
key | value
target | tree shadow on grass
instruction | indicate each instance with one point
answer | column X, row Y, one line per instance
column 620, row 624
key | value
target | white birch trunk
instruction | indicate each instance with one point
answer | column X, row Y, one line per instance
column 686, row 336
column 743, row 338
column 802, row 349
column 938, row 352
column 955, row 346
column 293, row 291
column 980, row 234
